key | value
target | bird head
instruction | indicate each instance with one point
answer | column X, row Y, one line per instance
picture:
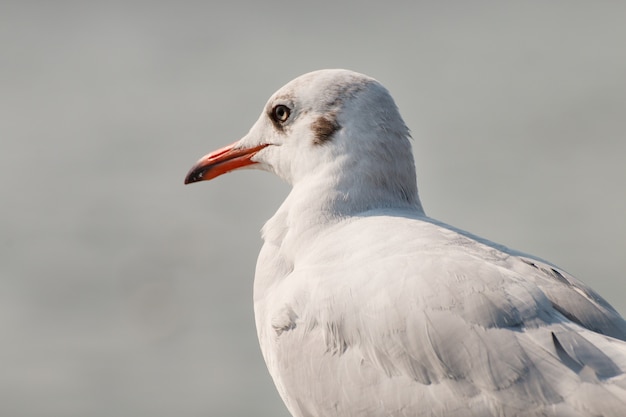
column 333, row 123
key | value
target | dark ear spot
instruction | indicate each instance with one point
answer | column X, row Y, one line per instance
column 324, row 128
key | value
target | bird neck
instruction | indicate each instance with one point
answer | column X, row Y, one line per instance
column 326, row 197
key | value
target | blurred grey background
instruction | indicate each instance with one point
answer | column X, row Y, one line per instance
column 125, row 293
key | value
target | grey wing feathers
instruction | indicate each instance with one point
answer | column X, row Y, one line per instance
column 538, row 348
column 576, row 301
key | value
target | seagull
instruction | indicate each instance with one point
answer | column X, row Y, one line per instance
column 367, row 307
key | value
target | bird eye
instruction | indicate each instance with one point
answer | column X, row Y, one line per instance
column 281, row 113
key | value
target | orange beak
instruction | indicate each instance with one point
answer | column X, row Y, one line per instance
column 221, row 161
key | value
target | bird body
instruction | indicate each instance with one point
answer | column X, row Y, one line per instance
column 431, row 321
column 367, row 307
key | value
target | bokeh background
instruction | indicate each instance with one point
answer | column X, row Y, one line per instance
column 125, row 293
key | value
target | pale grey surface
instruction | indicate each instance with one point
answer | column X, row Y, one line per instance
column 125, row 293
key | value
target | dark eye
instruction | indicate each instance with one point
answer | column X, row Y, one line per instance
column 281, row 113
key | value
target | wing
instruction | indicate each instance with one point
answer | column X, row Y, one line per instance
column 448, row 326
column 575, row 300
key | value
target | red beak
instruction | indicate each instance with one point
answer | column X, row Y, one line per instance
column 221, row 161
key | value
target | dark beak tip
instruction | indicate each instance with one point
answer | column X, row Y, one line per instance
column 194, row 175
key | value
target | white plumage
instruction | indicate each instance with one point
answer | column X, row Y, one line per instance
column 367, row 307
